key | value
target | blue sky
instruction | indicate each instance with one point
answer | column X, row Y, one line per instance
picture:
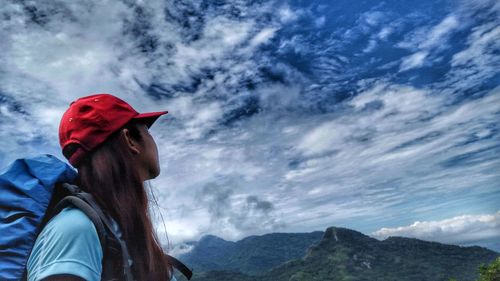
column 284, row 116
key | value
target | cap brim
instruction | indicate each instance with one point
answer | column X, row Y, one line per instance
column 150, row 117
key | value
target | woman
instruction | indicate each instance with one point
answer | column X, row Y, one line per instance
column 110, row 145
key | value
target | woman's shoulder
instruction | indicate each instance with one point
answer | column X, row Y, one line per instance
column 73, row 217
column 70, row 222
column 68, row 244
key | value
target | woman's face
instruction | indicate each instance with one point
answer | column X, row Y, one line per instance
column 149, row 164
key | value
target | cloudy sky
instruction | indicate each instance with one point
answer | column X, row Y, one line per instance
column 285, row 116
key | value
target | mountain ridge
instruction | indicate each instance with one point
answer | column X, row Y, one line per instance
column 339, row 254
column 252, row 254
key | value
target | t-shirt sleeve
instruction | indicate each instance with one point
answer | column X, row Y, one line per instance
column 68, row 244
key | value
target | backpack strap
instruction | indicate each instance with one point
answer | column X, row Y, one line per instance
column 74, row 201
column 125, row 254
column 110, row 241
column 127, row 272
column 180, row 266
column 71, row 200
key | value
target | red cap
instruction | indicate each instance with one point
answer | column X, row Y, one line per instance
column 90, row 120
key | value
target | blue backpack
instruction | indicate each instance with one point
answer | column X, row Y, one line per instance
column 28, row 199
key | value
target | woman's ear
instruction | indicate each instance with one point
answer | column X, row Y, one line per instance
column 132, row 144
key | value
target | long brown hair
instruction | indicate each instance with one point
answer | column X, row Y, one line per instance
column 109, row 174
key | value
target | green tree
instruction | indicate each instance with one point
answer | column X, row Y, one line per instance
column 490, row 272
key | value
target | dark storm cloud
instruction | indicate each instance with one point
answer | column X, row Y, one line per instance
column 257, row 213
column 217, row 199
column 257, row 204
column 227, row 209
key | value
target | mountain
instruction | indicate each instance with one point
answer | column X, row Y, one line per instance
column 251, row 255
column 344, row 254
column 208, row 253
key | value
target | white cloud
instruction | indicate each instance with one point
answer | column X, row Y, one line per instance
column 33, row 53
column 263, row 36
column 226, row 31
column 320, row 22
column 373, row 156
column 287, row 15
column 464, row 230
column 379, row 154
column 384, row 33
column 440, row 32
column 427, row 41
column 482, row 41
column 371, row 45
column 373, row 18
column 413, row 61
column 322, row 138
